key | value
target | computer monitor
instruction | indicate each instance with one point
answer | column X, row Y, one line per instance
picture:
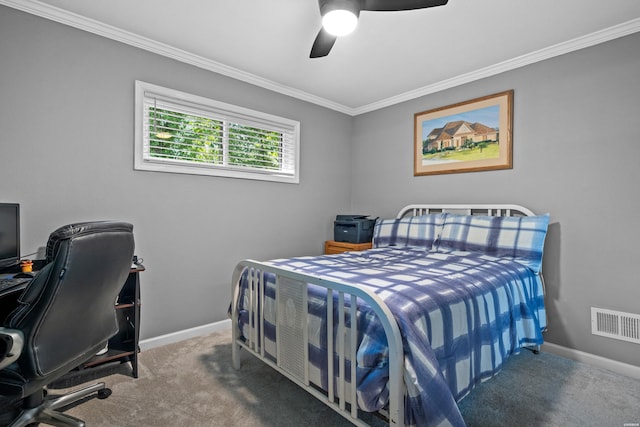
column 9, row 234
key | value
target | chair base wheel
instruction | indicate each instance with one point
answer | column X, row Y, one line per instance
column 46, row 411
column 104, row 393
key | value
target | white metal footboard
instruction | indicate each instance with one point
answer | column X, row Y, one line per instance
column 292, row 358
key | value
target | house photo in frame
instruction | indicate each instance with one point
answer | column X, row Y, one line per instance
column 470, row 136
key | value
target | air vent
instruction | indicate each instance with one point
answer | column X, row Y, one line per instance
column 615, row 324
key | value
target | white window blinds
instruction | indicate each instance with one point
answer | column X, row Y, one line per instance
column 184, row 133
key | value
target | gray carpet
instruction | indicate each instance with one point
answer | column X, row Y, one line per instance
column 192, row 383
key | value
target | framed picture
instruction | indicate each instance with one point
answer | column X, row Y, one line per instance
column 470, row 136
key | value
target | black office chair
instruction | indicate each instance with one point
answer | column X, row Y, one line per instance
column 64, row 317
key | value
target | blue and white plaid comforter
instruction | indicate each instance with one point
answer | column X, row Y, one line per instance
column 461, row 314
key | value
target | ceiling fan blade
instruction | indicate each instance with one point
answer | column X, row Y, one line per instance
column 323, row 44
column 394, row 5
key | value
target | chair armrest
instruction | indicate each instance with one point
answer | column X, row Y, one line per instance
column 11, row 343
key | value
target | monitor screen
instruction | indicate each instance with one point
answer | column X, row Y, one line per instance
column 9, row 234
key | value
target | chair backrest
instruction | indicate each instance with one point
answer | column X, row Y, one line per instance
column 67, row 312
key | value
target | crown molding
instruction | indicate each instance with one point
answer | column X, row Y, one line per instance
column 578, row 43
column 61, row 16
column 71, row 19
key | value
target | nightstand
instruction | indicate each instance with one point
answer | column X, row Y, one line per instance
column 333, row 247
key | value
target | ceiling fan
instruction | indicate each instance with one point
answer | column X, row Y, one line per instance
column 340, row 17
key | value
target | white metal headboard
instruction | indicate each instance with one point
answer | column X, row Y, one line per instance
column 472, row 209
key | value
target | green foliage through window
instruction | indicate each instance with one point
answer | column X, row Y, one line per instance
column 185, row 137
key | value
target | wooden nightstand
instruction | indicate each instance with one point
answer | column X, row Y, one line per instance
column 333, row 247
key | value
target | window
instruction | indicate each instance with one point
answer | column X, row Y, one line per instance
column 183, row 133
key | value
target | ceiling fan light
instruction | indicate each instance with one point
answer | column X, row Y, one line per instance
column 339, row 22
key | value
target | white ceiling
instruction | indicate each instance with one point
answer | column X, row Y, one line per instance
column 391, row 57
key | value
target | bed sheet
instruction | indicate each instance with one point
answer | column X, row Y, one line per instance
column 461, row 314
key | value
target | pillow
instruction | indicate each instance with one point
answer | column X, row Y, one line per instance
column 412, row 231
column 518, row 238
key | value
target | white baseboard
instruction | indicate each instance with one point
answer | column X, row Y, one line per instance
column 626, row 369
column 185, row 334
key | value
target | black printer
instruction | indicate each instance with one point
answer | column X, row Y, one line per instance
column 353, row 228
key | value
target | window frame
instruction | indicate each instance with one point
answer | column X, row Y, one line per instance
column 217, row 110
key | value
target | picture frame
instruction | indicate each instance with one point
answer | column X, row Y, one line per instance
column 470, row 136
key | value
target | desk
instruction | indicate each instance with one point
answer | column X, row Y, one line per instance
column 9, row 298
column 10, row 291
column 123, row 347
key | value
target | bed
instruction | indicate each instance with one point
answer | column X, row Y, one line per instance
column 444, row 297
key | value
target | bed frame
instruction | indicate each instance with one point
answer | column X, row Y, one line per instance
column 292, row 343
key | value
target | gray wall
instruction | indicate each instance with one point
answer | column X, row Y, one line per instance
column 66, row 154
column 576, row 153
